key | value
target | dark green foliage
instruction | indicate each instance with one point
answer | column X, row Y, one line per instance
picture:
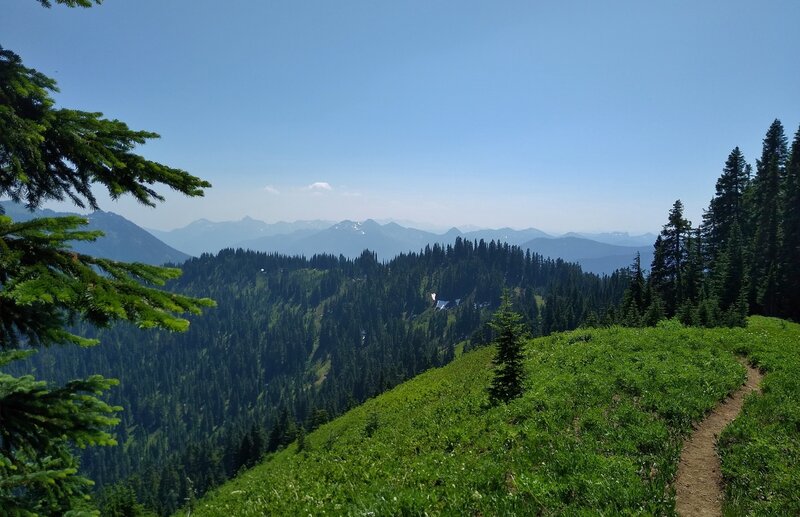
column 45, row 286
column 670, row 260
column 687, row 314
column 39, row 426
column 729, row 279
column 634, row 301
column 726, row 208
column 790, row 250
column 56, row 154
column 120, row 501
column 301, row 439
column 675, row 280
column 254, row 443
column 509, row 375
column 765, row 213
column 282, row 434
column 694, row 271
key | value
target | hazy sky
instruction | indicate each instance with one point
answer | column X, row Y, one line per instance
column 562, row 115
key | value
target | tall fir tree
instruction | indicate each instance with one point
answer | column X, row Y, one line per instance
column 729, row 283
column 767, row 200
column 633, row 301
column 727, row 206
column 694, row 270
column 790, row 250
column 670, row 260
column 56, row 154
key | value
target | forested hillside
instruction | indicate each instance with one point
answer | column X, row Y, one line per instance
column 295, row 341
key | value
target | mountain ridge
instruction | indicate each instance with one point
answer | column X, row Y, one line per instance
column 127, row 241
column 123, row 240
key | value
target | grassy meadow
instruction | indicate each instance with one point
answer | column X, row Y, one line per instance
column 761, row 449
column 598, row 431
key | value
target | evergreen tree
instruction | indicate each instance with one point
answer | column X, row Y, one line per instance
column 508, row 362
column 790, row 250
column 708, row 313
column 633, row 302
column 693, row 276
column 56, row 154
column 766, row 211
column 120, row 501
column 727, row 206
column 670, row 260
column 655, row 310
column 729, row 283
column 301, row 439
column 246, row 456
column 658, row 281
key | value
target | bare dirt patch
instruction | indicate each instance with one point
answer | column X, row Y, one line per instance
column 698, row 485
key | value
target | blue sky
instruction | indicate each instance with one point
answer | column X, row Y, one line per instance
column 561, row 115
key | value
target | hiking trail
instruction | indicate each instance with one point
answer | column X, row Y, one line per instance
column 698, row 485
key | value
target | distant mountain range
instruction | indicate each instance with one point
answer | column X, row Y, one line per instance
column 600, row 253
column 123, row 240
column 597, row 253
column 617, row 238
column 350, row 238
column 204, row 236
column 593, row 256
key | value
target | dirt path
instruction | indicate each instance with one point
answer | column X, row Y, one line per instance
column 698, row 485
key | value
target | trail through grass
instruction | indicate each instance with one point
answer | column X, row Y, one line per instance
column 760, row 450
column 698, row 485
column 598, row 431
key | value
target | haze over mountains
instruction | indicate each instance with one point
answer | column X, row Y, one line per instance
column 597, row 253
column 123, row 240
column 204, row 236
column 600, row 253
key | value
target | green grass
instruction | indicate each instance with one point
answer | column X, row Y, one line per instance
column 761, row 449
column 598, row 431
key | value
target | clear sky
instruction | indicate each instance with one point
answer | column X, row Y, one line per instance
column 561, row 115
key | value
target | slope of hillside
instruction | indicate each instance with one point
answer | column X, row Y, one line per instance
column 300, row 336
column 598, row 430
